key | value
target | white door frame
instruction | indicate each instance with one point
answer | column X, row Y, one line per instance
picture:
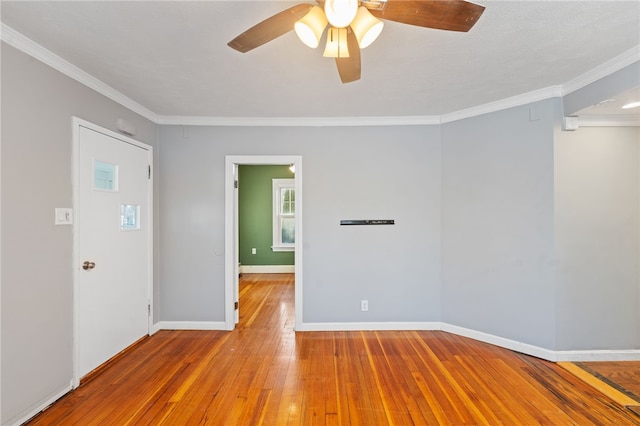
column 77, row 123
column 231, row 235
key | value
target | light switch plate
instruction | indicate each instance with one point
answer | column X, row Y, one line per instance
column 64, row 216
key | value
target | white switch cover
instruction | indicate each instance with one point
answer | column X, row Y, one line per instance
column 64, row 216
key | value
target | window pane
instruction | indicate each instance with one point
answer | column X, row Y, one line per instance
column 288, row 230
column 283, row 214
column 104, row 175
column 287, row 201
column 129, row 216
column 283, row 201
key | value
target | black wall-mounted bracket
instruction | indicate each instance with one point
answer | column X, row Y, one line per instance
column 368, row 222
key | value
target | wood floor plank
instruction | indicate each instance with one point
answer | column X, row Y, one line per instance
column 622, row 376
column 263, row 373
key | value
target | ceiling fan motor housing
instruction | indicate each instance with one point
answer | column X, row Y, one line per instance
column 374, row 4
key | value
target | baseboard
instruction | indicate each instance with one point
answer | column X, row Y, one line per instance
column 23, row 418
column 460, row 331
column 191, row 325
column 502, row 342
column 267, row 269
column 543, row 353
column 368, row 326
column 154, row 329
column 514, row 345
column 598, row 355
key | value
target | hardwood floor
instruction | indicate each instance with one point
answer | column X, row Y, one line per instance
column 264, row 373
column 623, row 376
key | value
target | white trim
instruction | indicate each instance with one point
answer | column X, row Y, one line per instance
column 230, row 270
column 154, row 329
column 30, row 47
column 609, row 121
column 616, row 64
column 502, row 104
column 299, row 121
column 282, row 248
column 369, row 326
column 502, row 342
column 514, row 345
column 56, row 396
column 267, row 269
column 192, row 325
column 598, row 355
column 76, row 124
column 276, row 225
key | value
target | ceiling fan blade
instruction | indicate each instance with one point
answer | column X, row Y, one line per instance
column 269, row 29
column 349, row 68
column 452, row 15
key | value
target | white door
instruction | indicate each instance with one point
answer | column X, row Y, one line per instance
column 113, row 223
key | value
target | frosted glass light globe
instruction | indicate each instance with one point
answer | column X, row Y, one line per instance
column 340, row 13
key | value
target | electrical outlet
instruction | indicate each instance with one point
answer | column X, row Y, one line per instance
column 253, row 250
column 364, row 305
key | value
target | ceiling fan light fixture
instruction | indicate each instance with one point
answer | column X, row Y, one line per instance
column 366, row 27
column 311, row 26
column 336, row 43
column 340, row 13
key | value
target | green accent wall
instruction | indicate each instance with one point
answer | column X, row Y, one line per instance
column 255, row 212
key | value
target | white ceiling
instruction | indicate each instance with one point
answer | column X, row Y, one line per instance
column 171, row 56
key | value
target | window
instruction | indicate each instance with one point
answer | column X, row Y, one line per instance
column 284, row 214
column 129, row 217
column 105, row 176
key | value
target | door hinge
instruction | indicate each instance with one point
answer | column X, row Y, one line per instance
column 235, row 184
column 235, row 306
column 149, row 309
column 149, row 172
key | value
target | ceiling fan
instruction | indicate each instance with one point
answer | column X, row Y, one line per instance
column 355, row 24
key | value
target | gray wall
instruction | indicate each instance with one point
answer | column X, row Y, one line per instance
column 37, row 105
column 497, row 226
column 348, row 173
column 604, row 88
column 596, row 238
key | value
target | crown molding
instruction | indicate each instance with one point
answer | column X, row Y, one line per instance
column 299, row 121
column 616, row 64
column 609, row 121
column 28, row 46
column 514, row 101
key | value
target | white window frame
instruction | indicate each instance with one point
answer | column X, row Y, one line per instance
column 278, row 185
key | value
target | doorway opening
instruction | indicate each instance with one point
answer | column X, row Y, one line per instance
column 232, row 238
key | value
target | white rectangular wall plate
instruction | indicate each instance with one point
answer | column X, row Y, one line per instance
column 63, row 216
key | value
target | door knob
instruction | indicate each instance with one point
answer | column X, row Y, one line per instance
column 88, row 265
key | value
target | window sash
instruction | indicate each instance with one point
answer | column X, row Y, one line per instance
column 283, row 214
